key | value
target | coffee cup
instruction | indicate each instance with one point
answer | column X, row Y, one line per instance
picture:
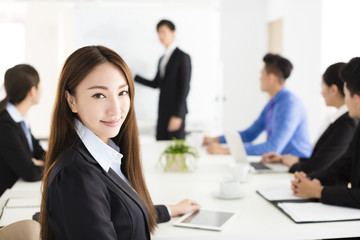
column 240, row 171
column 196, row 139
column 229, row 188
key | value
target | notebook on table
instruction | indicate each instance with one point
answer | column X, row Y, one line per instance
column 302, row 210
column 17, row 209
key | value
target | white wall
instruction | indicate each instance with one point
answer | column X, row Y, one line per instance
column 340, row 34
column 302, row 21
column 316, row 33
column 243, row 45
column 130, row 29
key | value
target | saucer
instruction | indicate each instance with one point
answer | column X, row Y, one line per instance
column 232, row 197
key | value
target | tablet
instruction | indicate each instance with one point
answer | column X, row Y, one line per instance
column 206, row 219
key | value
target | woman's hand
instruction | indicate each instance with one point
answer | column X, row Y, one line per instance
column 38, row 163
column 183, row 207
column 306, row 188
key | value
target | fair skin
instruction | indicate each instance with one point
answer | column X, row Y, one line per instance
column 31, row 99
column 167, row 37
column 269, row 83
column 102, row 103
column 333, row 98
column 303, row 186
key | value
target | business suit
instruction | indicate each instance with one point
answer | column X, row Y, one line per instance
column 174, row 88
column 331, row 145
column 15, row 154
column 336, row 178
column 86, row 202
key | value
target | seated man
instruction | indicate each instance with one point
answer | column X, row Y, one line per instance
column 284, row 118
column 339, row 184
column 336, row 138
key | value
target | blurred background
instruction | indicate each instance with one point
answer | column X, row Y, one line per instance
column 226, row 40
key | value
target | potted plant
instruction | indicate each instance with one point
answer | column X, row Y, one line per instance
column 179, row 157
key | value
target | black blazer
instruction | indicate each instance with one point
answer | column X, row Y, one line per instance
column 174, row 86
column 85, row 202
column 15, row 154
column 331, row 145
column 336, row 178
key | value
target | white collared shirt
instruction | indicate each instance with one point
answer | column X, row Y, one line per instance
column 18, row 118
column 16, row 115
column 340, row 111
column 164, row 61
column 107, row 155
column 331, row 119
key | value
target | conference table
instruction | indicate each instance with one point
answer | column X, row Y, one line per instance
column 257, row 218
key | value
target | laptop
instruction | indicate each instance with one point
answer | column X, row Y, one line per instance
column 238, row 151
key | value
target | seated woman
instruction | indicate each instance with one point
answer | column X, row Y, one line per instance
column 340, row 183
column 91, row 190
column 21, row 155
column 335, row 139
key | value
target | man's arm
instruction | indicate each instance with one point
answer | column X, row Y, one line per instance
column 253, row 131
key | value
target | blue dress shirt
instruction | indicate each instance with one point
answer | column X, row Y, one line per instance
column 288, row 128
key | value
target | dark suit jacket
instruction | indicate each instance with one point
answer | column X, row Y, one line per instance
column 336, row 178
column 331, row 145
column 85, row 202
column 15, row 154
column 174, row 86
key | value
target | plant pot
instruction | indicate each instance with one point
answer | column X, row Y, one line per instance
column 178, row 162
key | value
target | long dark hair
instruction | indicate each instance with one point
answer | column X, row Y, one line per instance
column 62, row 133
column 18, row 82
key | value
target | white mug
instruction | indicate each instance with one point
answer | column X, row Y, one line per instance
column 196, row 139
column 240, row 171
column 229, row 188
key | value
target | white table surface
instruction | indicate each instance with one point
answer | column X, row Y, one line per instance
column 258, row 219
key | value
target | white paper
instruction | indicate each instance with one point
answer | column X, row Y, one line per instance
column 278, row 194
column 318, row 212
column 17, row 209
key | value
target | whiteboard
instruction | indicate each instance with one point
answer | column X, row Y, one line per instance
column 130, row 29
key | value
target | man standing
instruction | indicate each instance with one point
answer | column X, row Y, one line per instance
column 284, row 118
column 173, row 79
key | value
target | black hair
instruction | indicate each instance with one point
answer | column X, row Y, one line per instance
column 350, row 74
column 167, row 23
column 278, row 65
column 18, row 82
column 332, row 76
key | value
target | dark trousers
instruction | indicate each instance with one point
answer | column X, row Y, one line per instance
column 162, row 132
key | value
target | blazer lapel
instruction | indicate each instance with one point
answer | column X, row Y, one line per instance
column 171, row 59
column 23, row 137
column 112, row 175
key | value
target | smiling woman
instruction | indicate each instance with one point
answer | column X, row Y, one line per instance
column 91, row 190
column 102, row 101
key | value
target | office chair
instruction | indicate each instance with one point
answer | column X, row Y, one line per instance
column 21, row 230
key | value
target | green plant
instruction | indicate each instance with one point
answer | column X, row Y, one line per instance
column 178, row 156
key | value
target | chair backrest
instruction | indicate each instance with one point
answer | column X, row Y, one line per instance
column 21, row 230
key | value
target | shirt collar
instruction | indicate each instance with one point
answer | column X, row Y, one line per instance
column 170, row 49
column 104, row 154
column 279, row 94
column 16, row 115
column 341, row 111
